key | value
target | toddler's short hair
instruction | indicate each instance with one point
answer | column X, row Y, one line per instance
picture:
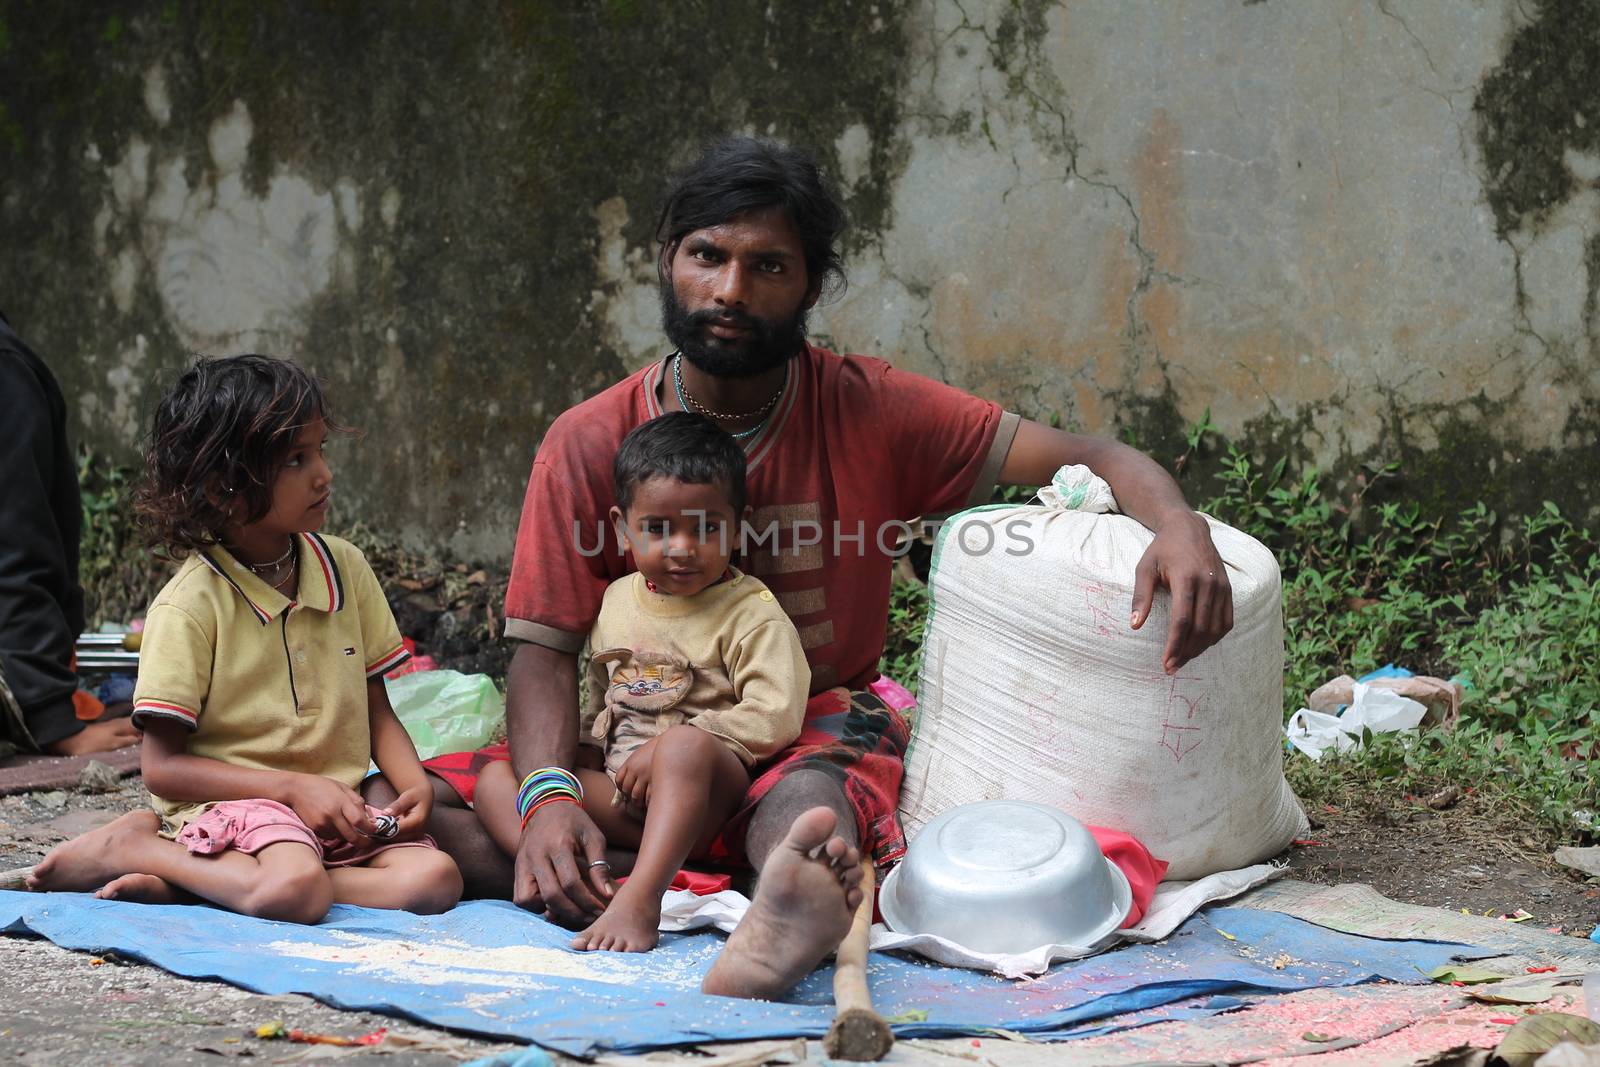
column 681, row 445
column 221, row 434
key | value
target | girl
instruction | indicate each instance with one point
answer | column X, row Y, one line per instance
column 260, row 689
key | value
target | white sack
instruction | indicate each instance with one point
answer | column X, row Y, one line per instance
column 1034, row 686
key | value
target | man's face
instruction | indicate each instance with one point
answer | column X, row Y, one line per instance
column 736, row 295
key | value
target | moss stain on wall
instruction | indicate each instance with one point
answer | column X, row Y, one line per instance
column 496, row 131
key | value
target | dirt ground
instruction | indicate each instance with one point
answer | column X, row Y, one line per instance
column 1458, row 858
column 68, row 1007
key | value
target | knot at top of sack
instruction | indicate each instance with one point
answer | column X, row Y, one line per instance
column 1077, row 488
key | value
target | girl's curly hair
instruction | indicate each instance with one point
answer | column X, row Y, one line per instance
column 221, row 435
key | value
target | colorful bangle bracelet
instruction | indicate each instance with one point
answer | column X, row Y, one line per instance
column 545, row 783
column 547, row 800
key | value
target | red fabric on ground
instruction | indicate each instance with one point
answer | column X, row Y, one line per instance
column 1144, row 871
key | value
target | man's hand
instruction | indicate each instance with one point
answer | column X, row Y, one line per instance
column 558, row 866
column 332, row 809
column 1183, row 558
column 633, row 777
column 102, row 736
column 411, row 809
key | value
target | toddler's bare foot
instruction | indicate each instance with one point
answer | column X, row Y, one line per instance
column 803, row 908
column 627, row 925
column 100, row 856
column 144, row 888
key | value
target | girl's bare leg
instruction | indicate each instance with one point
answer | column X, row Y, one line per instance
column 284, row 881
column 423, row 880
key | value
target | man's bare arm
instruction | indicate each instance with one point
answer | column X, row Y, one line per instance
column 559, row 842
column 1182, row 556
column 541, row 707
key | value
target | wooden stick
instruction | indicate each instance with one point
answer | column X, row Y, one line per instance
column 858, row 1032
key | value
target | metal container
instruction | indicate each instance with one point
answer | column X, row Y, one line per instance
column 1006, row 876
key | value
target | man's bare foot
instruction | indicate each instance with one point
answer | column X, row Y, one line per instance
column 143, row 888
column 90, row 861
column 102, row 735
column 628, row 925
column 802, row 910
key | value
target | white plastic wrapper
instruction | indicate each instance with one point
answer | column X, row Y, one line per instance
column 1372, row 709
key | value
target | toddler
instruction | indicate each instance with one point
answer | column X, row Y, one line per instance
column 695, row 675
column 260, row 692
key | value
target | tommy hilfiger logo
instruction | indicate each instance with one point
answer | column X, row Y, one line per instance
column 350, row 651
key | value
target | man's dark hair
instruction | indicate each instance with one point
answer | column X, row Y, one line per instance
column 221, row 434
column 681, row 445
column 738, row 175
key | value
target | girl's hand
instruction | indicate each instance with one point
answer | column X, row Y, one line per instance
column 411, row 809
column 633, row 777
column 333, row 810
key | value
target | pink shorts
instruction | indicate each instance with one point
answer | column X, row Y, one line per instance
column 249, row 826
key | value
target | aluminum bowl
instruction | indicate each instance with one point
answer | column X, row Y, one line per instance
column 1006, row 876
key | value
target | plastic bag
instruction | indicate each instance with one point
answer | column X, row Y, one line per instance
column 447, row 711
column 1380, row 711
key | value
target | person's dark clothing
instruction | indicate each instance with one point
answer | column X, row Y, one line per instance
column 41, row 603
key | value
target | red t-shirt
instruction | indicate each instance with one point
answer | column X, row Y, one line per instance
column 853, row 447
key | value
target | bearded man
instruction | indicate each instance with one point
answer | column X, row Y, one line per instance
column 840, row 449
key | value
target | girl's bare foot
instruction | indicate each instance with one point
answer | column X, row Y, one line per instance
column 628, row 925
column 90, row 861
column 144, row 888
column 803, row 908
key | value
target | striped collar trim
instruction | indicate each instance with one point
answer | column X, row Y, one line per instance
column 321, row 586
column 757, row 446
column 319, row 571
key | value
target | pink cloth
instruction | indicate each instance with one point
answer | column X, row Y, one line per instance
column 249, row 826
column 892, row 693
column 1144, row 871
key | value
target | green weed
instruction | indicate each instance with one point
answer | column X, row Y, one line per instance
column 119, row 574
column 1510, row 609
column 902, row 650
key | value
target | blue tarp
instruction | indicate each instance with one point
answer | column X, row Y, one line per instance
column 489, row 968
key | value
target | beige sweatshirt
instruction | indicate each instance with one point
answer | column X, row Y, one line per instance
column 727, row 660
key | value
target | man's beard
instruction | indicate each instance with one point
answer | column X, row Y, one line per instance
column 767, row 345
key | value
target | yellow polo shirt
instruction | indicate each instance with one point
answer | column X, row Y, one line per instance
column 264, row 681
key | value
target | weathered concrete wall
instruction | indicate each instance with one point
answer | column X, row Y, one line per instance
column 1361, row 231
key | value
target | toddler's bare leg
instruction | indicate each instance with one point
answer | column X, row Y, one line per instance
column 495, row 802
column 696, row 783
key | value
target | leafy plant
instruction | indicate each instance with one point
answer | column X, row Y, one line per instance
column 119, row 574
column 902, row 650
